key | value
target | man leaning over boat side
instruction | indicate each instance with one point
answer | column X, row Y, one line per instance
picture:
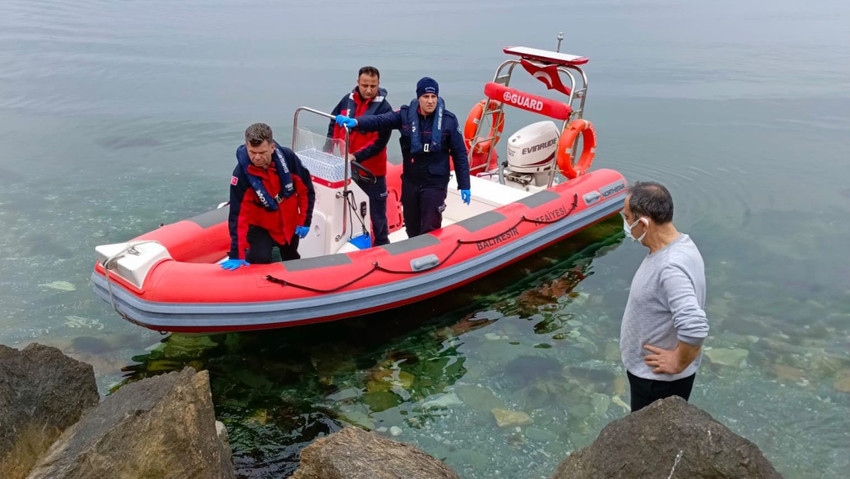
column 430, row 134
column 271, row 201
column 367, row 148
column 664, row 323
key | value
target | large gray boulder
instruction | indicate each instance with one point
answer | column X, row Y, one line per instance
column 160, row 427
column 353, row 453
column 42, row 392
column 668, row 439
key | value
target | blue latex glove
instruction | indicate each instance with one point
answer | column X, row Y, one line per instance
column 465, row 196
column 302, row 231
column 345, row 121
column 233, row 264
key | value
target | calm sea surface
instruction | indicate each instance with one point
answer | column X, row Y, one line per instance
column 116, row 117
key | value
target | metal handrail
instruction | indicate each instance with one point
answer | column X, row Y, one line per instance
column 504, row 77
column 345, row 191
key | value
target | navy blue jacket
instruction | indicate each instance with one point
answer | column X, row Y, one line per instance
column 431, row 168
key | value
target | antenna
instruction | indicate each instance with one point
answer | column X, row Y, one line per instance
column 560, row 37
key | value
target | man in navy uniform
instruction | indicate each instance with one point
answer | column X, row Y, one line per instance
column 430, row 134
column 367, row 148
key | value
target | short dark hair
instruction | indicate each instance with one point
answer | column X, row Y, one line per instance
column 647, row 198
column 257, row 133
column 371, row 71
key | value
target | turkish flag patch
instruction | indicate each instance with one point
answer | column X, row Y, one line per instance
column 234, row 180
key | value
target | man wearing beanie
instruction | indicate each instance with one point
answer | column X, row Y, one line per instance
column 368, row 149
column 430, row 134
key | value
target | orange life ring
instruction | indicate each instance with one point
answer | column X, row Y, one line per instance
column 565, row 148
column 496, row 126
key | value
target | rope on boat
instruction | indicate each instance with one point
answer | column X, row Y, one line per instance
column 378, row 267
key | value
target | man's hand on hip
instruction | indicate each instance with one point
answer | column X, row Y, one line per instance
column 670, row 361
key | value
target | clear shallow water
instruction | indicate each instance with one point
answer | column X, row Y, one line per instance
column 116, row 117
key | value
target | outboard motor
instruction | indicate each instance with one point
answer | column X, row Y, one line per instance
column 531, row 154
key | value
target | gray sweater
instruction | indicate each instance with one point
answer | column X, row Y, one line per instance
column 666, row 305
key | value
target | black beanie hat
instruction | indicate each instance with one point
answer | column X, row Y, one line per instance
column 427, row 85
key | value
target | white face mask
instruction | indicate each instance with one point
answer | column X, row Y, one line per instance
column 628, row 228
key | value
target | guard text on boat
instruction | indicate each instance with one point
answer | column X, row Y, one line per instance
column 496, row 239
column 522, row 101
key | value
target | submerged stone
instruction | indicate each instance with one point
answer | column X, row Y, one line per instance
column 619, row 402
column 600, row 403
column 442, row 401
column 59, row 286
column 788, row 372
column 842, row 383
column 506, row 418
column 81, row 322
column 478, row 398
column 358, row 416
column 387, row 379
column 731, row 357
column 542, row 435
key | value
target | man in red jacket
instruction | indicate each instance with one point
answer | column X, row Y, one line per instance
column 367, row 148
column 270, row 200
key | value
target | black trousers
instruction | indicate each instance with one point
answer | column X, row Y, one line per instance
column 261, row 245
column 646, row 391
column 422, row 207
column 377, row 194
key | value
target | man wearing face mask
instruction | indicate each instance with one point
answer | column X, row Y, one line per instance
column 664, row 323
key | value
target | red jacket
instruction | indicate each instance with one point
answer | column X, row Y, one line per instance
column 369, row 148
column 247, row 209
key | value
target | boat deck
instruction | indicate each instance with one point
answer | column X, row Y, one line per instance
column 487, row 195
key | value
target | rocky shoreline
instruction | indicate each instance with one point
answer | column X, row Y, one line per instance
column 53, row 424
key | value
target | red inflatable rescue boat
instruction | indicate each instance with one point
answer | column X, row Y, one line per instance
column 169, row 280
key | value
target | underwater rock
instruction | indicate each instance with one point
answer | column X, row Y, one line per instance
column 442, row 401
column 184, row 346
column 81, row 322
column 732, row 357
column 59, row 286
column 600, row 403
column 842, row 383
column 619, row 402
column 478, row 398
column 356, row 454
column 588, row 375
column 381, row 400
column 619, row 385
column 357, row 415
column 612, row 351
column 42, row 392
column 388, row 379
column 542, row 435
column 668, row 438
column 788, row 372
column 748, row 327
column 506, row 418
column 530, row 369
